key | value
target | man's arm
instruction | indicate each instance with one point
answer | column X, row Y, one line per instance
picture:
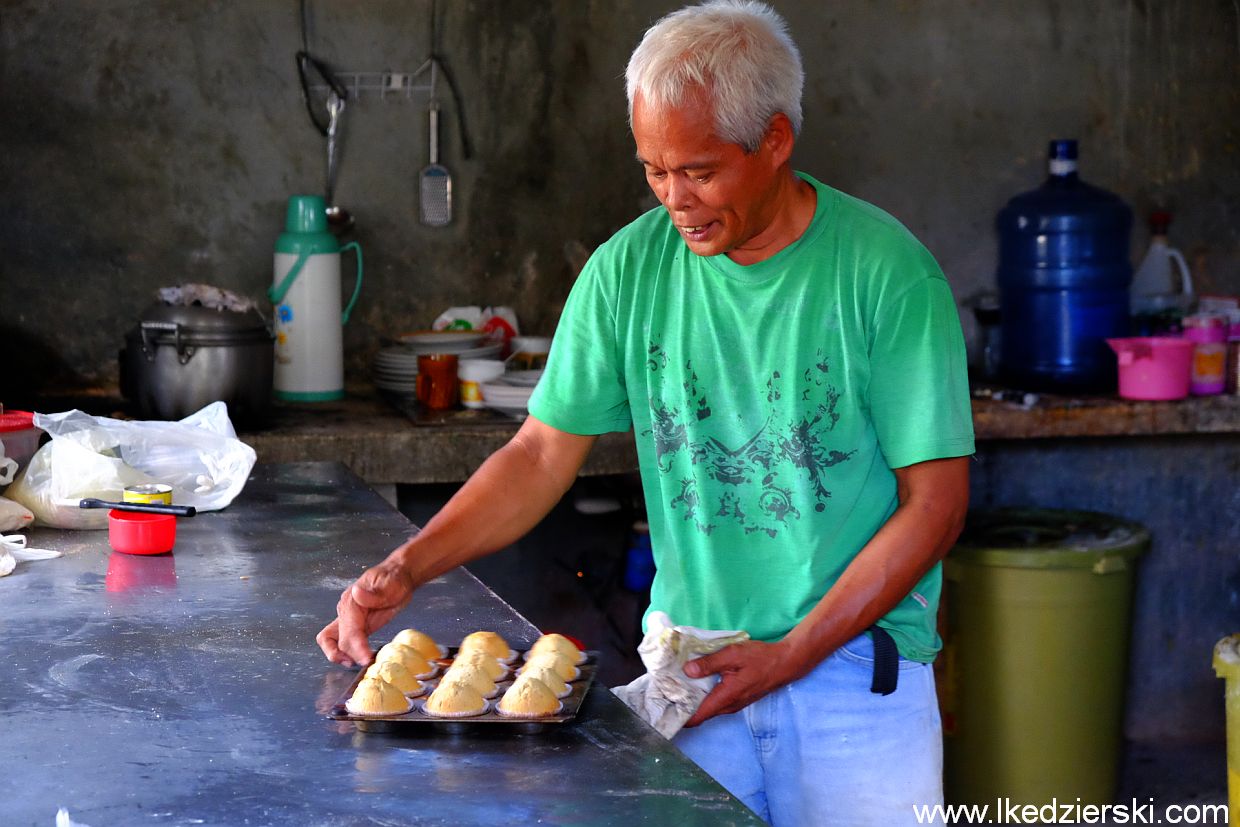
column 509, row 493
column 934, row 497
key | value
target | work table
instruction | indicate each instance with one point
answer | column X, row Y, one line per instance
column 186, row 688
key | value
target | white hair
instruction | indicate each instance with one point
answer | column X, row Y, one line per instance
column 737, row 51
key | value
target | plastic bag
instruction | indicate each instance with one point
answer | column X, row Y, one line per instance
column 94, row 456
column 13, row 515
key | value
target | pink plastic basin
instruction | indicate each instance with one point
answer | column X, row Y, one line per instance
column 1153, row 367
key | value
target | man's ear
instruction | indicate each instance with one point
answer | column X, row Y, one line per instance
column 779, row 139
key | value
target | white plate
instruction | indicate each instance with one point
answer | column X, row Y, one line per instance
column 522, row 378
column 436, row 338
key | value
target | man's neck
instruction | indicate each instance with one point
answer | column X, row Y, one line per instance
column 794, row 204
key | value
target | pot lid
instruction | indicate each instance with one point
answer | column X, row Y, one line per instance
column 166, row 322
column 204, row 318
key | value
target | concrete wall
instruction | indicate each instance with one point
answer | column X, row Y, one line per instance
column 150, row 143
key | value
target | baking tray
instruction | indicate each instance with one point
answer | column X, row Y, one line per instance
column 415, row 721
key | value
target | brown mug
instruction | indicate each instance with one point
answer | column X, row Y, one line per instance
column 437, row 385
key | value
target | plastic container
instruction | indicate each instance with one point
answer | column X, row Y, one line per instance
column 639, row 561
column 1063, row 280
column 135, row 532
column 1157, row 368
column 1227, row 667
column 471, row 374
column 1036, row 625
column 1162, row 282
column 1208, row 331
column 20, row 436
column 305, row 289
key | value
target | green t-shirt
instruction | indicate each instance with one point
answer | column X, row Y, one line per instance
column 769, row 403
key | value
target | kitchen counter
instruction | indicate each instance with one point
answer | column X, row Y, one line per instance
column 383, row 446
column 187, row 688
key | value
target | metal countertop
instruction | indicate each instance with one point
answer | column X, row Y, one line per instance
column 187, row 688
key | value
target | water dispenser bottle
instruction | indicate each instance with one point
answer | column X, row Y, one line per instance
column 1063, row 281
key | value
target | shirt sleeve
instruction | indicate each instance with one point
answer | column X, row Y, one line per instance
column 582, row 389
column 919, row 384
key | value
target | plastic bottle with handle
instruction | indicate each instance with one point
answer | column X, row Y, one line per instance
column 1162, row 288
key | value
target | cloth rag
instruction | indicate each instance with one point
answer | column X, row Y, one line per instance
column 665, row 697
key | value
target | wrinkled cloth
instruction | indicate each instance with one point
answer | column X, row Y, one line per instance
column 665, row 697
column 13, row 550
column 215, row 298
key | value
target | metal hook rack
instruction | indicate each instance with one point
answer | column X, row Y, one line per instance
column 386, row 85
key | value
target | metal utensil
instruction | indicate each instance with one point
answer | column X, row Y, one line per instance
column 145, row 508
column 435, row 180
column 338, row 218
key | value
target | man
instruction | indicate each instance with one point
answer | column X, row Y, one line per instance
column 791, row 363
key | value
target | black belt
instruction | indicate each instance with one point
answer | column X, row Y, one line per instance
column 886, row 662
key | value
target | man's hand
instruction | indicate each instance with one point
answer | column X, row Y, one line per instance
column 747, row 671
column 365, row 606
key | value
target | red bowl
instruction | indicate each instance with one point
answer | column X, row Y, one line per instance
column 136, row 532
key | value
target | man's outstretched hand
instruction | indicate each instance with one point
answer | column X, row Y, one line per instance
column 365, row 606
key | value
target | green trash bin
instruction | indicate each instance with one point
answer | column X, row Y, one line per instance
column 1035, row 626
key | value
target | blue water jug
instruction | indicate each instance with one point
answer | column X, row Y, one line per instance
column 1063, row 281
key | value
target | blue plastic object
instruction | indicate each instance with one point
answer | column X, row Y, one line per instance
column 639, row 561
column 1063, row 281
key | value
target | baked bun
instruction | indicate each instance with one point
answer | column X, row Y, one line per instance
column 374, row 696
column 560, row 645
column 455, row 700
column 556, row 663
column 394, row 672
column 543, row 672
column 482, row 662
column 470, row 676
column 529, row 698
column 488, row 642
column 407, row 657
column 422, row 642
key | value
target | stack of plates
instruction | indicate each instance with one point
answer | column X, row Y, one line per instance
column 395, row 370
column 522, row 378
column 509, row 399
column 466, row 344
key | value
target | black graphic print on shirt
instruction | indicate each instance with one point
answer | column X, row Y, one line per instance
column 754, row 481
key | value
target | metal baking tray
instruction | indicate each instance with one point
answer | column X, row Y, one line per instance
column 417, row 721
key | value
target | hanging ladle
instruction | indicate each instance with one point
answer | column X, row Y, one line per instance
column 338, row 218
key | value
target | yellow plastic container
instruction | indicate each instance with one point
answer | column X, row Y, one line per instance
column 1035, row 655
column 1227, row 667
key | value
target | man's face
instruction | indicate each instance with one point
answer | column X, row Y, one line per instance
column 720, row 198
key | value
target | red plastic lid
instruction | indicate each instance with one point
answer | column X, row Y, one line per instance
column 16, row 421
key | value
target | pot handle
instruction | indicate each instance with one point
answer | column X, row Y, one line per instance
column 184, row 352
column 344, row 317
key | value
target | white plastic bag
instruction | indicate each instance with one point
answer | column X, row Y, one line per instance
column 94, row 456
column 13, row 515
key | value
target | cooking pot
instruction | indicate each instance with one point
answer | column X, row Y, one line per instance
column 180, row 358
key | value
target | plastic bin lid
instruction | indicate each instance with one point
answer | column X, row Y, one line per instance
column 1227, row 658
column 1048, row 539
column 16, row 421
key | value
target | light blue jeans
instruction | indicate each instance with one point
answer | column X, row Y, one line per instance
column 824, row 750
